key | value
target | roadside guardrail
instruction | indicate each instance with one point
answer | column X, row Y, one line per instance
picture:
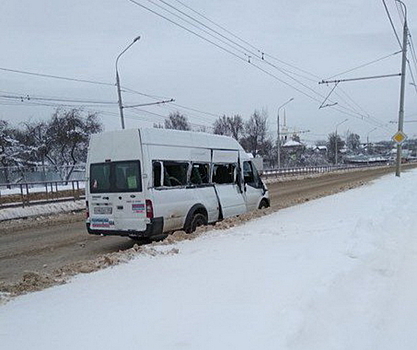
column 274, row 173
column 42, row 192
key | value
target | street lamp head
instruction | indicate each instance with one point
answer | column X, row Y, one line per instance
column 119, row 93
column 284, row 104
column 341, row 122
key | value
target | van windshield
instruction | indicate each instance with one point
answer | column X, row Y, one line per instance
column 115, row 177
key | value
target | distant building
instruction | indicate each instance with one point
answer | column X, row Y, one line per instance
column 291, row 144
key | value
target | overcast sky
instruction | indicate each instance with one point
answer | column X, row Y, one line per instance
column 316, row 40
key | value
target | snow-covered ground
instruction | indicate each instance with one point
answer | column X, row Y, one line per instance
column 336, row 273
column 40, row 189
column 41, row 209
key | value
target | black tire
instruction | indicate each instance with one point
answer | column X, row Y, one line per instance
column 141, row 240
column 264, row 204
column 197, row 220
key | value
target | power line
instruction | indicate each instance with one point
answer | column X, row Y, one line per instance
column 23, row 98
column 219, row 26
column 392, row 23
column 346, row 110
column 201, row 23
column 361, row 78
column 186, row 29
column 234, row 54
column 43, row 75
column 56, row 77
column 26, row 98
column 262, row 53
column 252, row 54
column 365, row 64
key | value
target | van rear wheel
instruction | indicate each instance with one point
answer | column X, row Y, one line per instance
column 197, row 220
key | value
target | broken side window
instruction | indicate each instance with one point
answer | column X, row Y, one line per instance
column 224, row 173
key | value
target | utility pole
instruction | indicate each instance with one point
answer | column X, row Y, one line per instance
column 367, row 137
column 278, row 140
column 335, row 141
column 402, row 90
column 119, row 92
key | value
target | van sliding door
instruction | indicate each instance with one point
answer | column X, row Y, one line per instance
column 225, row 179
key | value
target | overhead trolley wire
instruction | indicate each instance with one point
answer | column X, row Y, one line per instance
column 259, row 51
column 234, row 54
column 186, row 29
column 249, row 54
column 364, row 65
column 43, row 75
column 219, row 26
column 56, row 77
column 35, row 98
column 392, row 23
column 215, row 44
column 201, row 23
column 19, row 98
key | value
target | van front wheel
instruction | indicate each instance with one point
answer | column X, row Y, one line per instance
column 197, row 220
column 264, row 204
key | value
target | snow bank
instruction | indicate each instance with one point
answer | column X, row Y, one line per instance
column 41, row 209
column 40, row 189
column 336, row 273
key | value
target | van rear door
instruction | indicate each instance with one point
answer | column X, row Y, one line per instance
column 117, row 201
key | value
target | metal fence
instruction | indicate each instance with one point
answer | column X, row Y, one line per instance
column 275, row 173
column 40, row 192
column 40, row 173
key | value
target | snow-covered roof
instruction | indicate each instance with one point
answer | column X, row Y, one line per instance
column 292, row 143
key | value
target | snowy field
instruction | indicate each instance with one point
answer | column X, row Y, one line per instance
column 336, row 273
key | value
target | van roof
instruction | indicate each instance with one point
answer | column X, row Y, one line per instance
column 158, row 136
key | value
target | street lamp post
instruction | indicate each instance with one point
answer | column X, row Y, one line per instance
column 278, row 140
column 119, row 93
column 367, row 137
column 402, row 90
column 335, row 141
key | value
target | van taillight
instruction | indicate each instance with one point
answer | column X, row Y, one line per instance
column 87, row 211
column 149, row 209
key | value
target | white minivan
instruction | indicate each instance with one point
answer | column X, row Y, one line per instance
column 146, row 183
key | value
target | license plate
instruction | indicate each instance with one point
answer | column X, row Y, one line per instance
column 103, row 210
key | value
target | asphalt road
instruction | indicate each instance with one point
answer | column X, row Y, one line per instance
column 45, row 249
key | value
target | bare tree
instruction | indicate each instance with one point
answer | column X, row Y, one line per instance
column 36, row 138
column 255, row 135
column 236, row 126
column 221, row 126
column 230, row 126
column 334, row 140
column 353, row 142
column 69, row 132
column 177, row 121
column 13, row 151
